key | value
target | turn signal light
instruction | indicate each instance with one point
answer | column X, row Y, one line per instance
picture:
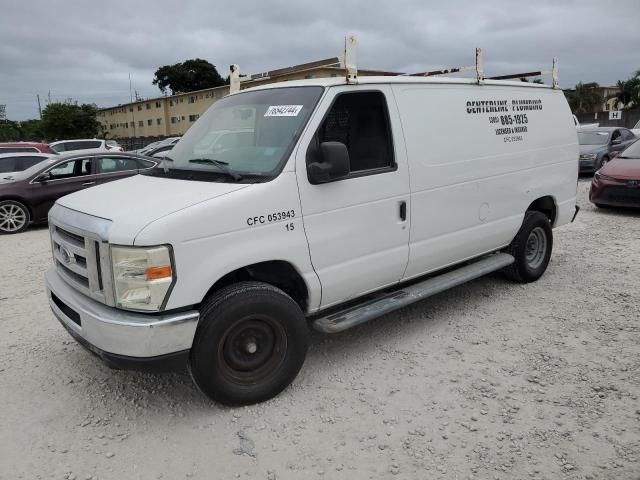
column 157, row 273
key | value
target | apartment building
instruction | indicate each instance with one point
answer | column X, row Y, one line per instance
column 172, row 115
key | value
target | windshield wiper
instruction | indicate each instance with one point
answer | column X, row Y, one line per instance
column 223, row 166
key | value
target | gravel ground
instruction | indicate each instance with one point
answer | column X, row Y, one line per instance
column 491, row 380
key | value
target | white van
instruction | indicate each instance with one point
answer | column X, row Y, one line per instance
column 348, row 201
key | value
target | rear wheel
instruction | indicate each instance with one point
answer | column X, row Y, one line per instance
column 531, row 249
column 251, row 343
column 14, row 217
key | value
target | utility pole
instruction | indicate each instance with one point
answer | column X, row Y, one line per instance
column 133, row 118
column 39, row 107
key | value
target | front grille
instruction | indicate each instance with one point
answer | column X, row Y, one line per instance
column 627, row 195
column 78, row 257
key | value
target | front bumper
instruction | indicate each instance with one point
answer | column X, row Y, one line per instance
column 123, row 339
column 588, row 165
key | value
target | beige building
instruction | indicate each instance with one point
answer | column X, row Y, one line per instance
column 172, row 115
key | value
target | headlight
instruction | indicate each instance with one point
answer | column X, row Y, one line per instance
column 142, row 277
column 599, row 176
column 588, row 156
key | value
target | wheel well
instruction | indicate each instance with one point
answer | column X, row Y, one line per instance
column 278, row 273
column 22, row 201
column 544, row 205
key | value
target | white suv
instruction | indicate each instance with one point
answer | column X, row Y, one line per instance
column 88, row 145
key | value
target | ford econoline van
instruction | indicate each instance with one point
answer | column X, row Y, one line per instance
column 336, row 203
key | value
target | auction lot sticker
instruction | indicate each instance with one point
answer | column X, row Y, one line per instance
column 283, row 111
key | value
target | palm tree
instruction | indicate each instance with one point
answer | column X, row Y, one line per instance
column 585, row 98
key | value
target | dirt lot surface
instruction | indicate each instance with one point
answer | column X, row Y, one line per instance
column 491, row 380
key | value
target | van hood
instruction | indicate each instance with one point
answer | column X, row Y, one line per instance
column 134, row 202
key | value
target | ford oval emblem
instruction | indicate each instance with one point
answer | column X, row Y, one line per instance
column 67, row 257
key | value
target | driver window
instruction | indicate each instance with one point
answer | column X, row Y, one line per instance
column 616, row 136
column 75, row 168
column 360, row 121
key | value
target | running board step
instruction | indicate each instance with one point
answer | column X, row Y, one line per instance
column 345, row 319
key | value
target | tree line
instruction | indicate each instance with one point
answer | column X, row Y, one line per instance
column 60, row 120
column 588, row 97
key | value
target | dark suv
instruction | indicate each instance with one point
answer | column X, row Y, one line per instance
column 26, row 197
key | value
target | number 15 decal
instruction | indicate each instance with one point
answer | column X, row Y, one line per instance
column 290, row 227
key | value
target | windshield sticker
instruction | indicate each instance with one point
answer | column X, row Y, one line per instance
column 283, row 111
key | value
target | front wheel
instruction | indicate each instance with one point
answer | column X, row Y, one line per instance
column 531, row 249
column 14, row 217
column 251, row 343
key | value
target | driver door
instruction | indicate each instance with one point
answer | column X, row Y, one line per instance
column 63, row 179
column 357, row 226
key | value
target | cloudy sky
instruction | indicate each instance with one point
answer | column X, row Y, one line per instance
column 85, row 50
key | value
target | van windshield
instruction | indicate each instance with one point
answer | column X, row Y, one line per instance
column 242, row 137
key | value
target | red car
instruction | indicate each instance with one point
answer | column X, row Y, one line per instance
column 617, row 183
column 25, row 147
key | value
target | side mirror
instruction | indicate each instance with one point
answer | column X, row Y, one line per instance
column 335, row 163
column 42, row 178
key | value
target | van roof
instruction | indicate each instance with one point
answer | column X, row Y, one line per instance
column 397, row 79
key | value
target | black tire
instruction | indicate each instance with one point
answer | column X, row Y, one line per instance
column 14, row 217
column 250, row 344
column 527, row 267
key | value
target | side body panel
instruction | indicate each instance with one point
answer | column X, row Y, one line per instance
column 478, row 157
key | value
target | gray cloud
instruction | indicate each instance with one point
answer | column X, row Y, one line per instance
column 85, row 51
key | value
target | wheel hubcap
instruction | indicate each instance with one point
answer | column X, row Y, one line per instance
column 12, row 218
column 252, row 349
column 536, row 247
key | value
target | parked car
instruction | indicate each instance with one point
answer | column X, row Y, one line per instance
column 27, row 196
column 597, row 145
column 618, row 182
column 25, row 147
column 160, row 151
column 160, row 143
column 114, row 146
column 17, row 162
column 350, row 201
column 88, row 145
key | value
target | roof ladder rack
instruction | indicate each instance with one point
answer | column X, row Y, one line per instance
column 479, row 69
column 349, row 60
column 234, row 79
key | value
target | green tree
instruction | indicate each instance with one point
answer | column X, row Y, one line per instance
column 628, row 94
column 9, row 131
column 188, row 76
column 31, row 130
column 68, row 120
column 585, row 98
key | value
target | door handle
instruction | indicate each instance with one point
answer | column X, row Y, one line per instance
column 403, row 210
column 86, row 184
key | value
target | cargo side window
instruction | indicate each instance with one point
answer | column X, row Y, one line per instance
column 360, row 120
